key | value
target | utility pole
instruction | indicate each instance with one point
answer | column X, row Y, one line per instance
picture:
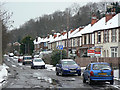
column 67, row 29
column 1, row 61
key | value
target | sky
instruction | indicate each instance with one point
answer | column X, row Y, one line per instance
column 24, row 10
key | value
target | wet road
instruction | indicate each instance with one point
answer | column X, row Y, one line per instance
column 22, row 76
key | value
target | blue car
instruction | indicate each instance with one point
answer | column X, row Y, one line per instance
column 68, row 67
column 99, row 71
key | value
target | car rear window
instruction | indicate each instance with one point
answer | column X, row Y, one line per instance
column 38, row 60
column 27, row 57
column 101, row 67
column 68, row 63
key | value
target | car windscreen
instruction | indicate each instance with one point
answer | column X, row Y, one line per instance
column 38, row 60
column 68, row 63
column 27, row 57
column 101, row 67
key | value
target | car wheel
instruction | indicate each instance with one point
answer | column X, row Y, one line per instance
column 23, row 63
column 62, row 73
column 90, row 82
column 57, row 73
column 84, row 81
column 43, row 67
column 111, row 82
column 79, row 74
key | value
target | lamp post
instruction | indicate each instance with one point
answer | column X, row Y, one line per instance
column 67, row 28
column 1, row 61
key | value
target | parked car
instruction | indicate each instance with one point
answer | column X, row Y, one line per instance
column 27, row 60
column 36, row 56
column 68, row 66
column 99, row 71
column 11, row 55
column 15, row 58
column 37, row 63
column 20, row 59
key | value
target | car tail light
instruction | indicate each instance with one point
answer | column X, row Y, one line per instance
column 91, row 73
column 112, row 73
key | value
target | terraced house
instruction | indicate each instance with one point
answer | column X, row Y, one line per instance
column 103, row 33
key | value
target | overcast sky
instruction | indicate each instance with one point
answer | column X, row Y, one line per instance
column 24, row 10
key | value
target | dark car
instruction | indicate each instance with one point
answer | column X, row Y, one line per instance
column 68, row 66
column 20, row 59
column 99, row 71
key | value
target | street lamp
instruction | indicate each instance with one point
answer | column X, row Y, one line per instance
column 1, row 42
column 68, row 12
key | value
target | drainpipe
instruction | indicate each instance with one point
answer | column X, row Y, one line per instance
column 119, row 70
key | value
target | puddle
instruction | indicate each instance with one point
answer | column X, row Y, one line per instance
column 46, row 79
column 49, row 80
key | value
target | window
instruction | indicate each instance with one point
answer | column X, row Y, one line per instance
column 106, row 35
column 89, row 38
column 113, row 35
column 85, row 39
column 73, row 42
column 99, row 36
column 45, row 44
column 78, row 42
column 38, row 46
column 114, row 52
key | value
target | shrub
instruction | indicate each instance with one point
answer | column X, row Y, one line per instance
column 56, row 56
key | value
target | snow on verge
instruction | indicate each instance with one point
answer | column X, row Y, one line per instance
column 50, row 67
column 3, row 73
column 116, row 74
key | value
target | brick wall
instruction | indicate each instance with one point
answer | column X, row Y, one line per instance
column 83, row 62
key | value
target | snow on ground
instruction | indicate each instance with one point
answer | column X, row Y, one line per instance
column 50, row 67
column 116, row 74
column 3, row 73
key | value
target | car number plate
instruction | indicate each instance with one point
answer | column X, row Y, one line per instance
column 101, row 73
column 72, row 71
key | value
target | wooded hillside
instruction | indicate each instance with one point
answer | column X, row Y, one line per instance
column 41, row 26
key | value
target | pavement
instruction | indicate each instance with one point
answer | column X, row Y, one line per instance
column 3, row 74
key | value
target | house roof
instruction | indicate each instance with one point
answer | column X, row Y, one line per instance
column 84, row 30
column 74, row 32
column 54, row 39
column 102, row 24
column 114, row 22
column 39, row 39
column 99, row 25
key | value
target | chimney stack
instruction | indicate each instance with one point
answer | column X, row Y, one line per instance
column 36, row 38
column 55, row 35
column 48, row 36
column 71, row 30
column 64, row 32
column 110, row 14
column 94, row 19
column 80, row 28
